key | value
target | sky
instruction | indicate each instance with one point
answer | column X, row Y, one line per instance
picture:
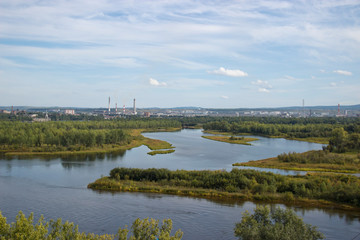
column 173, row 53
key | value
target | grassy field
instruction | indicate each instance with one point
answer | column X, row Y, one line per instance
column 235, row 140
column 311, row 161
column 319, row 167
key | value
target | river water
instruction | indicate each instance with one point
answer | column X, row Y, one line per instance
column 56, row 188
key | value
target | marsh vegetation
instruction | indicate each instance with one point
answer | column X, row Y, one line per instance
column 240, row 184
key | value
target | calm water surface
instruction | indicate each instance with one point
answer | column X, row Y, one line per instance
column 56, row 188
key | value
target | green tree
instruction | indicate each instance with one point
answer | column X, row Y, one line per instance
column 275, row 225
column 25, row 229
column 338, row 139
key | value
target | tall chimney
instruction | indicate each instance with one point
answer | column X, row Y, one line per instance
column 109, row 106
column 134, row 107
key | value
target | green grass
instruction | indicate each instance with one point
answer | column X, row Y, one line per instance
column 341, row 167
column 244, row 141
column 161, row 152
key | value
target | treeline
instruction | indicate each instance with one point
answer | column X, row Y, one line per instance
column 69, row 134
column 287, row 128
column 192, row 121
column 26, row 228
column 319, row 157
column 333, row 187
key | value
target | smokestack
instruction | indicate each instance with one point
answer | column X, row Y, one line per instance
column 115, row 108
column 303, row 108
column 109, row 106
column 134, row 107
column 339, row 109
column 124, row 110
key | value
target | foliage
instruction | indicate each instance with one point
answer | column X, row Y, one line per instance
column 284, row 127
column 58, row 136
column 332, row 187
column 275, row 225
column 341, row 141
column 25, row 229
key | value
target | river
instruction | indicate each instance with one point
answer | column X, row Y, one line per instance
column 56, row 188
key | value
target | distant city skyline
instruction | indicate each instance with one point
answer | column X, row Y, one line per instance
column 210, row 54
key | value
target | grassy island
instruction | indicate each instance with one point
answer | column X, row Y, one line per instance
column 161, row 152
column 341, row 155
column 322, row 161
column 232, row 139
column 326, row 190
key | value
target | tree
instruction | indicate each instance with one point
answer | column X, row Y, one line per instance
column 26, row 229
column 275, row 225
column 338, row 139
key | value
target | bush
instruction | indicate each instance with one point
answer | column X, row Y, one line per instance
column 25, row 229
column 275, row 225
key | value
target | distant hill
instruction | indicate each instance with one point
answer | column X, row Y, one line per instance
column 291, row 108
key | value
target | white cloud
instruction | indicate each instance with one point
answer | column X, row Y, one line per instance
column 225, row 97
column 155, row 82
column 342, row 72
column 333, row 84
column 230, row 72
column 264, row 86
column 261, row 83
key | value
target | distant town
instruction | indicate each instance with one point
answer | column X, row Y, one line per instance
column 41, row 114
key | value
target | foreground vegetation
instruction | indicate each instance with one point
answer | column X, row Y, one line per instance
column 25, row 229
column 336, row 190
column 278, row 224
column 232, row 139
column 263, row 224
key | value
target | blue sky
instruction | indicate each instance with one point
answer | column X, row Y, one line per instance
column 217, row 54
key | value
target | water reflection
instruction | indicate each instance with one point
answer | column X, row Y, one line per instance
column 68, row 157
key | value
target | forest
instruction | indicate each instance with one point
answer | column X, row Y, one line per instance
column 285, row 127
column 73, row 135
